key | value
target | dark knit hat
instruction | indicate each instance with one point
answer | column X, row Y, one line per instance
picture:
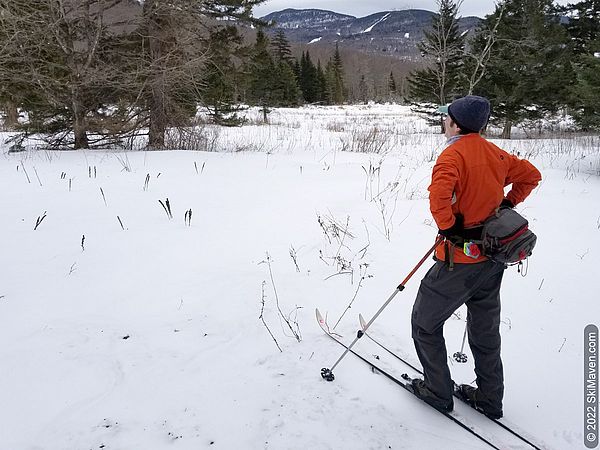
column 470, row 113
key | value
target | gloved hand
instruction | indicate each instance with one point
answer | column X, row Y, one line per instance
column 506, row 203
column 456, row 229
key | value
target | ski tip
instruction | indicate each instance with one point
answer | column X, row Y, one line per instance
column 361, row 319
column 318, row 314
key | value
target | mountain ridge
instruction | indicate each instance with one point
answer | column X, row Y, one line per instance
column 396, row 33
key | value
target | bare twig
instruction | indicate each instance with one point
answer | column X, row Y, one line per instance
column 563, row 344
column 25, row 171
column 103, row 197
column 39, row 220
column 363, row 269
column 262, row 318
column 37, row 176
column 121, row 223
column 295, row 330
column 294, row 257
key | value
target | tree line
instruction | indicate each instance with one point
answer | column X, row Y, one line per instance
column 90, row 73
column 531, row 58
column 87, row 73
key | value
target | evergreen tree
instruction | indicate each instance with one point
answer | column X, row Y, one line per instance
column 392, row 84
column 583, row 28
column 76, row 61
column 587, row 92
column 281, row 48
column 286, row 78
column 443, row 50
column 335, row 78
column 391, row 87
column 287, row 85
column 174, row 34
column 529, row 71
column 323, row 92
column 263, row 90
column 309, row 83
column 583, row 25
column 363, row 90
column 222, row 76
column 53, row 65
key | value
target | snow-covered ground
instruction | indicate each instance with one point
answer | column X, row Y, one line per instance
column 150, row 337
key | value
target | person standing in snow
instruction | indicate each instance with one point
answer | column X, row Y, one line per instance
column 467, row 186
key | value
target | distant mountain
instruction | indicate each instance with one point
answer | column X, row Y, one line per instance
column 393, row 32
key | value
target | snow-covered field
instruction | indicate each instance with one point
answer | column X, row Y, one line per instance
column 150, row 337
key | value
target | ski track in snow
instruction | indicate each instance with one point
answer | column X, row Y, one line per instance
column 369, row 29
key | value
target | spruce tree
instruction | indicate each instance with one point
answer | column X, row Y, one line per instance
column 281, row 48
column 363, row 90
column 222, row 76
column 323, row 93
column 263, row 90
column 583, row 28
column 443, row 50
column 286, row 84
column 286, row 78
column 335, row 78
column 583, row 25
column 392, row 86
column 309, row 83
column 529, row 72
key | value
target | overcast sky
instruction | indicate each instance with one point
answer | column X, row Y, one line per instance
column 361, row 8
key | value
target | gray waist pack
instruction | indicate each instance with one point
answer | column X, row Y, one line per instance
column 506, row 237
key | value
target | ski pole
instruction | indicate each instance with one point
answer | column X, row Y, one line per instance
column 328, row 373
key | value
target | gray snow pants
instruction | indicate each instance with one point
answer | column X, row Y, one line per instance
column 440, row 294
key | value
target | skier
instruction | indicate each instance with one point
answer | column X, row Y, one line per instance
column 467, row 186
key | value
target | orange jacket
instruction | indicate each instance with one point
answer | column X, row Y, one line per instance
column 469, row 179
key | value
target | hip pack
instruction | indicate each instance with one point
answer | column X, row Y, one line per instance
column 506, row 237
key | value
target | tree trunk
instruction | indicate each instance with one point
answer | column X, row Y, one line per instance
column 79, row 124
column 507, row 129
column 158, row 126
column 12, row 115
column 158, row 117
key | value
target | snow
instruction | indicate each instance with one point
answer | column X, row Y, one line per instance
column 150, row 337
column 597, row 54
column 369, row 29
column 406, row 35
column 315, row 40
